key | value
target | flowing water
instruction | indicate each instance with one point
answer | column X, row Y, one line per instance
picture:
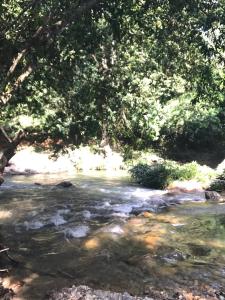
column 89, row 234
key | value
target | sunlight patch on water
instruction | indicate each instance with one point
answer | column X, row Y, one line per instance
column 151, row 241
column 92, row 244
column 215, row 243
column 5, row 214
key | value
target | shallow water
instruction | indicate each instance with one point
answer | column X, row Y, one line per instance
column 88, row 234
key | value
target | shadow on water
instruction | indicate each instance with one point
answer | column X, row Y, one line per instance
column 58, row 243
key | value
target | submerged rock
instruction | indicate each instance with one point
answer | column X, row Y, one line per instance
column 1, row 180
column 212, row 196
column 83, row 292
column 199, row 250
column 173, row 257
column 5, row 293
column 64, row 184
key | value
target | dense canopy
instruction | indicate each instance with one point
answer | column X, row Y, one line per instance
column 139, row 73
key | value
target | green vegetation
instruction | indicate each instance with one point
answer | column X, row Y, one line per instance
column 217, row 185
column 132, row 74
column 218, row 182
column 160, row 175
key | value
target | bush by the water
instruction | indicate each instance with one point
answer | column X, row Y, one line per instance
column 160, row 175
column 218, row 183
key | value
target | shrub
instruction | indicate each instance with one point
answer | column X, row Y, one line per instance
column 160, row 175
column 218, row 182
column 217, row 185
column 154, row 176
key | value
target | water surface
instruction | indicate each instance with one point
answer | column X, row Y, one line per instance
column 88, row 234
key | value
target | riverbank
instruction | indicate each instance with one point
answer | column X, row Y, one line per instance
column 145, row 167
column 31, row 160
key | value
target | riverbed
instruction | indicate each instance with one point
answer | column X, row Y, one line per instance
column 108, row 233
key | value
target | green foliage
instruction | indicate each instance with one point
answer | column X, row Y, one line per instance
column 160, row 175
column 221, row 175
column 135, row 73
column 217, row 185
column 156, row 176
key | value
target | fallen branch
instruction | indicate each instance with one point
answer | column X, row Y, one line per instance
column 3, row 250
column 4, row 270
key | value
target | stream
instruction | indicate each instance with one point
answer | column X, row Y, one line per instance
column 92, row 234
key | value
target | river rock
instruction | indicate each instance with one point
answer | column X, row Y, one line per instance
column 5, row 293
column 64, row 184
column 83, row 292
column 212, row 196
column 199, row 250
column 1, row 180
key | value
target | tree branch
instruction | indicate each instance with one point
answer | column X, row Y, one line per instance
column 12, row 88
column 44, row 32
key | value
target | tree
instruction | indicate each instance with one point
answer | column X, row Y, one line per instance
column 113, row 71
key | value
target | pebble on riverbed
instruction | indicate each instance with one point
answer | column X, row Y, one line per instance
column 83, row 292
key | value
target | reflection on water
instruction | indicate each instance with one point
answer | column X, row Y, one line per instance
column 87, row 234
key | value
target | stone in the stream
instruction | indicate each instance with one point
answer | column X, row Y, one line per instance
column 199, row 250
column 5, row 293
column 83, row 292
column 212, row 196
column 1, row 180
column 173, row 257
column 64, row 184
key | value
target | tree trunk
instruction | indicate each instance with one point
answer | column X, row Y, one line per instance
column 7, row 149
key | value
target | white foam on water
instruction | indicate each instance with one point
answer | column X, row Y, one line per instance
column 123, row 208
column 86, row 214
column 33, row 225
column 126, row 208
column 105, row 191
column 116, row 229
column 120, row 215
column 57, row 220
column 146, row 194
column 33, row 213
column 105, row 204
column 197, row 196
column 63, row 211
column 77, row 232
